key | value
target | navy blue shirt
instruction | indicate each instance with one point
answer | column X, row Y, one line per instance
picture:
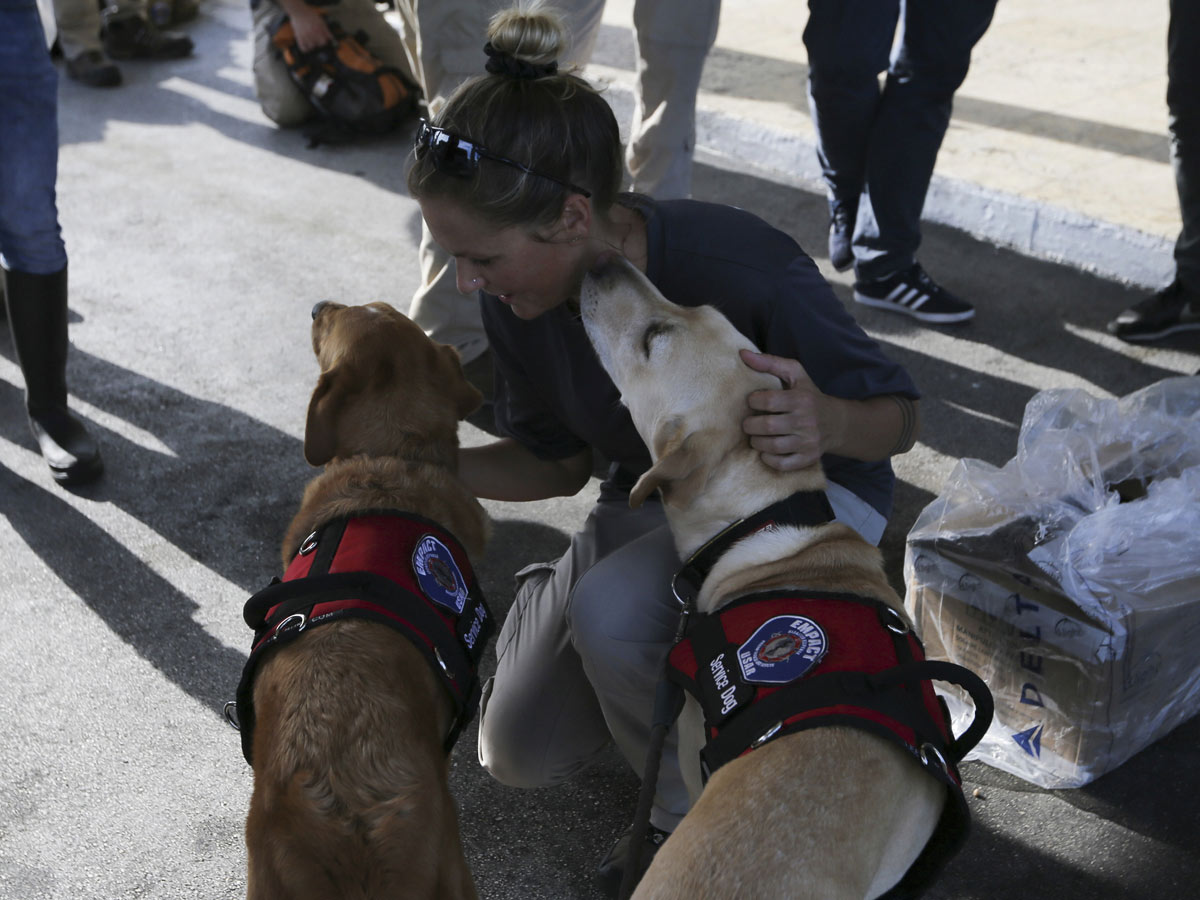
column 554, row 398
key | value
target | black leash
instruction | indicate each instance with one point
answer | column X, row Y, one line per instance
column 668, row 700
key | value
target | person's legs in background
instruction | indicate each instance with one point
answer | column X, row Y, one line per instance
column 930, row 63
column 32, row 252
column 78, row 24
column 673, row 39
column 129, row 33
column 928, row 66
column 904, row 124
column 1176, row 307
column 848, row 43
column 1183, row 106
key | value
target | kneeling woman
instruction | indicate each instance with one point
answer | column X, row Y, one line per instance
column 518, row 178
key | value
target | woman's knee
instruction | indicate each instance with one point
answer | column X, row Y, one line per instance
column 500, row 736
column 623, row 616
column 528, row 744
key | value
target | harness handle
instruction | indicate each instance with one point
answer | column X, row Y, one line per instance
column 951, row 673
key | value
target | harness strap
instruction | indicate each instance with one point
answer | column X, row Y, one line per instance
column 328, row 540
column 804, row 508
column 870, row 701
column 415, row 578
column 746, row 665
column 321, row 596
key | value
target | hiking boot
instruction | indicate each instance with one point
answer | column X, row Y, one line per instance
column 133, row 37
column 93, row 68
column 612, row 867
column 171, row 12
column 1174, row 308
column 915, row 294
column 37, row 319
column 184, row 11
column 841, row 236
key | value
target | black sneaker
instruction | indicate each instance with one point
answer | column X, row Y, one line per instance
column 841, row 236
column 915, row 294
column 133, row 37
column 171, row 12
column 1164, row 312
column 93, row 68
column 612, row 867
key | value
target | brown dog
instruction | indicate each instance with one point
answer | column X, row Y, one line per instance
column 349, row 719
column 822, row 813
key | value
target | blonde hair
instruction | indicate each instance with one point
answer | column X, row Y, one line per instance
column 551, row 121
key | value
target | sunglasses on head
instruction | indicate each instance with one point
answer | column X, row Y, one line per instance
column 460, row 158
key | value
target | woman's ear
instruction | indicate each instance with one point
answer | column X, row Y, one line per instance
column 575, row 223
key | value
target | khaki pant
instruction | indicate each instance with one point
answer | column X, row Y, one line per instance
column 78, row 23
column 582, row 648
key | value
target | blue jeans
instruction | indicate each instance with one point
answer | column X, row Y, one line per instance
column 877, row 148
column 30, row 237
column 1183, row 107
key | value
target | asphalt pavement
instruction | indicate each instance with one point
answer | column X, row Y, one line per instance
column 199, row 237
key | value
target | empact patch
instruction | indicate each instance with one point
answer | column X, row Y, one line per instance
column 782, row 649
column 438, row 574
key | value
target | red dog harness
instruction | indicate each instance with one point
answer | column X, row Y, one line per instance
column 398, row 569
column 773, row 664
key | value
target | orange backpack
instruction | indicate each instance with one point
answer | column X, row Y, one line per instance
column 351, row 89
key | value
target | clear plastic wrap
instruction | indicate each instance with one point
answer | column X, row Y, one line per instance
column 1069, row 580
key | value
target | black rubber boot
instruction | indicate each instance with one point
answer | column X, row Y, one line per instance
column 37, row 317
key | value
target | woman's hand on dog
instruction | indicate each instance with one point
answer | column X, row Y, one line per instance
column 788, row 425
column 793, row 426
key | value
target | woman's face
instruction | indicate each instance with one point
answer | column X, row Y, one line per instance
column 531, row 276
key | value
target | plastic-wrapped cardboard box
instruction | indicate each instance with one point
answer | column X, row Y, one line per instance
column 1069, row 580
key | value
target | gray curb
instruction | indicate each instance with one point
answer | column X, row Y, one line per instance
column 1034, row 229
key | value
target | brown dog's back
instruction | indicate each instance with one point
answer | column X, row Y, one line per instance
column 349, row 802
column 351, row 799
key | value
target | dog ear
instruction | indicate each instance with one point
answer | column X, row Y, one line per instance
column 681, row 470
column 320, row 426
column 467, row 397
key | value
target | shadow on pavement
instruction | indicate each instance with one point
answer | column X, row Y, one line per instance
column 137, row 604
column 223, row 493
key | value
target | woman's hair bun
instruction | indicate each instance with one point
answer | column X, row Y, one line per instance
column 525, row 41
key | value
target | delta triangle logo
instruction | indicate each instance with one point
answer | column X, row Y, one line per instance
column 1030, row 741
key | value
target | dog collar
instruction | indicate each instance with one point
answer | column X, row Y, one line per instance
column 807, row 508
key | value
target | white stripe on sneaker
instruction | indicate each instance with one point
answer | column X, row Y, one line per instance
column 910, row 294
